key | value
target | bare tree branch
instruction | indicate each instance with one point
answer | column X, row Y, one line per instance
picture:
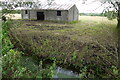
column 114, row 6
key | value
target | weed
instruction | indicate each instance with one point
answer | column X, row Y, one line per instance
column 91, row 39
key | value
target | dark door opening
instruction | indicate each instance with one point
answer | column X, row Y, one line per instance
column 40, row 16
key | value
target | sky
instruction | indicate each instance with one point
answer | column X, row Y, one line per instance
column 89, row 7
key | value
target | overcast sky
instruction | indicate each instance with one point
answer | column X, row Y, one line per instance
column 89, row 7
column 86, row 8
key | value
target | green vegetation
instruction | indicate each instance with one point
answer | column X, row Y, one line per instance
column 88, row 46
column 91, row 14
column 11, row 57
column 32, row 49
column 6, row 11
column 16, row 65
column 110, row 15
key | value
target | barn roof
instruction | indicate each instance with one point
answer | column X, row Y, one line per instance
column 51, row 7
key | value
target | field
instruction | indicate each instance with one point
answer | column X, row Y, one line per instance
column 91, row 40
column 14, row 16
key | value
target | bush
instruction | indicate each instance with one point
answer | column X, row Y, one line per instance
column 110, row 15
column 11, row 65
column 14, row 65
column 6, row 43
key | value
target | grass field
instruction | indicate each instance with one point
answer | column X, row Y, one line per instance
column 14, row 16
column 86, row 30
column 68, row 43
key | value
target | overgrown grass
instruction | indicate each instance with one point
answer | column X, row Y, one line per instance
column 15, row 65
column 92, row 40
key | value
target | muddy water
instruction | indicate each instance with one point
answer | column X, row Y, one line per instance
column 64, row 73
column 61, row 72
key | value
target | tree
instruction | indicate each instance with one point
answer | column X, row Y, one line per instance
column 115, row 4
column 9, row 6
column 50, row 2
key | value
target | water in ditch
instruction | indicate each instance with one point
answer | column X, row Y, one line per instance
column 64, row 73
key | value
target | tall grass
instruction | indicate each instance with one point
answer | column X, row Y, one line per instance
column 14, row 65
column 88, row 46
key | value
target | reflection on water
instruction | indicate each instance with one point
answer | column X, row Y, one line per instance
column 63, row 73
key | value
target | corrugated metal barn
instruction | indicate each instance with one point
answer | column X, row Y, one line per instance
column 54, row 12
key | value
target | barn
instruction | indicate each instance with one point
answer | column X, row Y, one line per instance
column 54, row 12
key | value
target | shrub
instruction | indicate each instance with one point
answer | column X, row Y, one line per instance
column 14, row 65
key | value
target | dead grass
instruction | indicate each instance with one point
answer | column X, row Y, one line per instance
column 14, row 16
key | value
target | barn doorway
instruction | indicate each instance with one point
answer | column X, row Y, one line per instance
column 40, row 15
